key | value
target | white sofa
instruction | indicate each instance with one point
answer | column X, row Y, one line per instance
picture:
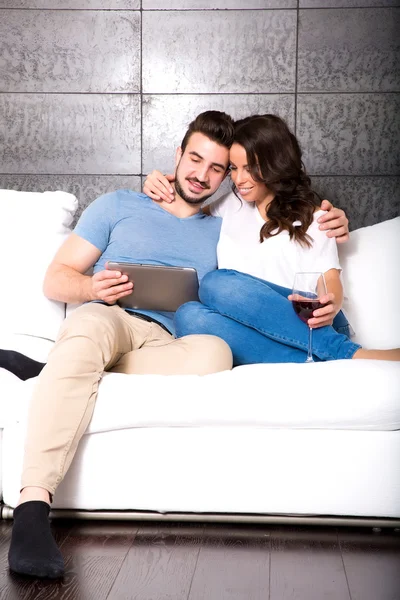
column 261, row 442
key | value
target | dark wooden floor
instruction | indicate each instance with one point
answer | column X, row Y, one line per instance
column 141, row 561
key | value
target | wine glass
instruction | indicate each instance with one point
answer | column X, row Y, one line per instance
column 308, row 287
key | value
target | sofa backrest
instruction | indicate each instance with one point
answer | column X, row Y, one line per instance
column 32, row 227
column 371, row 277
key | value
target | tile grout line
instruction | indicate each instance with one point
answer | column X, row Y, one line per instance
column 141, row 91
column 276, row 93
column 84, row 175
column 296, row 68
column 205, row 10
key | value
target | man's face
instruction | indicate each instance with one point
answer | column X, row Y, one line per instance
column 201, row 169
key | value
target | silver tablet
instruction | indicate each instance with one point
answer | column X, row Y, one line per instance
column 158, row 287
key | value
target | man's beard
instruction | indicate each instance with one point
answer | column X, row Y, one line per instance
column 185, row 197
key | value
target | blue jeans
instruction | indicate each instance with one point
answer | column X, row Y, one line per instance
column 258, row 321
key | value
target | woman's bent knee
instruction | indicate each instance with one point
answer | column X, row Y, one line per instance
column 189, row 319
column 217, row 288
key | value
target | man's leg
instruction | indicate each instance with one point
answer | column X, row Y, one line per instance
column 164, row 355
column 91, row 340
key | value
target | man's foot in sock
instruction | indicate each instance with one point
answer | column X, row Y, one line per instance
column 22, row 366
column 33, row 550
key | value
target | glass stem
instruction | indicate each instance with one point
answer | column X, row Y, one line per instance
column 309, row 354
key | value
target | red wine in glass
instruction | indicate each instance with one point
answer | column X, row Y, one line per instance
column 308, row 287
column 304, row 308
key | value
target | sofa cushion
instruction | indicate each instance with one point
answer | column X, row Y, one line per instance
column 13, row 399
column 370, row 262
column 224, row 399
column 365, row 396
column 241, row 470
column 32, row 227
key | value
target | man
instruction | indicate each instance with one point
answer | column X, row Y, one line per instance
column 100, row 336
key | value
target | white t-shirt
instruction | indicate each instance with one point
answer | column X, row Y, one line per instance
column 277, row 258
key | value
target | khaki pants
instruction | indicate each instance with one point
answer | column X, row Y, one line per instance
column 93, row 339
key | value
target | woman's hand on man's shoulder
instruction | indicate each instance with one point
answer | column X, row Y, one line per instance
column 334, row 222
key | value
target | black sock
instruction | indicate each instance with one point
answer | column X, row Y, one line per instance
column 22, row 366
column 33, row 550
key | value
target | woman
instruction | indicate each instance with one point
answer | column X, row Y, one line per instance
column 269, row 231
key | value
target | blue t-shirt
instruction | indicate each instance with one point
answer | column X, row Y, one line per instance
column 129, row 227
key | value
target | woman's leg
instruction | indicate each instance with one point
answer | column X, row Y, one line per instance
column 264, row 307
column 248, row 345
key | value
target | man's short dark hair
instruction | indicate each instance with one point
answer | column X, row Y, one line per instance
column 216, row 125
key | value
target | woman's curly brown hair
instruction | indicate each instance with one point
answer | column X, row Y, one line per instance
column 274, row 158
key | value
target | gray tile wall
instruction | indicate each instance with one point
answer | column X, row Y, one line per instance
column 96, row 93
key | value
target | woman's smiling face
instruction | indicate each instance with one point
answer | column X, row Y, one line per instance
column 249, row 189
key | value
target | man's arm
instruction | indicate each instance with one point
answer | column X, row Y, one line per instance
column 65, row 279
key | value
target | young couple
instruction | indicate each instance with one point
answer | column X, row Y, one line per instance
column 100, row 336
column 269, row 232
